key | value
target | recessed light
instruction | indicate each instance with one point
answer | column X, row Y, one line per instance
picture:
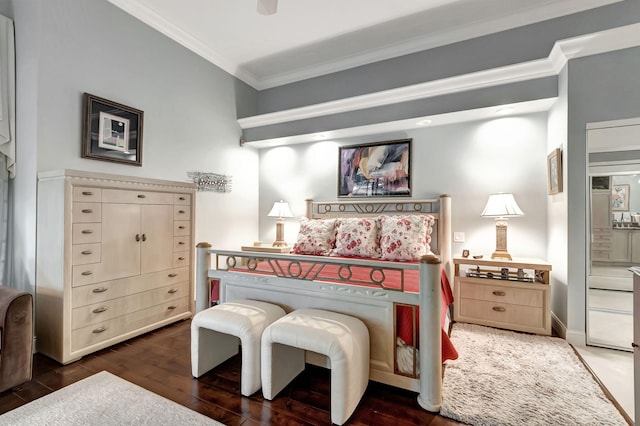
column 424, row 122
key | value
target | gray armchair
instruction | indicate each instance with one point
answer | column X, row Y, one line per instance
column 16, row 339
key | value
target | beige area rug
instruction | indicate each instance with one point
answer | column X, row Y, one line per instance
column 508, row 378
column 103, row 399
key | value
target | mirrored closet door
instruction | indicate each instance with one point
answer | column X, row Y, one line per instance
column 614, row 212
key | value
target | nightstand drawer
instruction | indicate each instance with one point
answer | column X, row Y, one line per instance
column 507, row 314
column 478, row 289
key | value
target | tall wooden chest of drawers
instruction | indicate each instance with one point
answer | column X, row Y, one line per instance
column 114, row 259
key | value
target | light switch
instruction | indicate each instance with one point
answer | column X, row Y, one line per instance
column 458, row 237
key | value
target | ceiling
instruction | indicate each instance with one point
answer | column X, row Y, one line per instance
column 307, row 38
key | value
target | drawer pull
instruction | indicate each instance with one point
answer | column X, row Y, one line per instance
column 99, row 330
column 172, row 307
column 181, row 227
column 100, row 289
column 181, row 198
column 137, row 237
column 87, row 210
column 86, row 273
column 499, row 309
column 181, row 243
column 142, row 196
column 173, row 290
column 87, row 231
column 144, row 237
column 181, row 211
column 87, row 252
column 87, row 193
column 172, row 275
column 99, row 310
column 499, row 293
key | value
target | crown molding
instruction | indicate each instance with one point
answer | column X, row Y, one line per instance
column 562, row 51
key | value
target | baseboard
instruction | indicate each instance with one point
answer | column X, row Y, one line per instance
column 558, row 326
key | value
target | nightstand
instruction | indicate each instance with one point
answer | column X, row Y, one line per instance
column 511, row 294
column 266, row 249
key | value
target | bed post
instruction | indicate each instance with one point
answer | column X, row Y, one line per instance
column 445, row 236
column 203, row 263
column 309, row 202
column 430, row 338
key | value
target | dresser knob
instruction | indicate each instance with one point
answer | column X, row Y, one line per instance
column 172, row 307
column 172, row 275
column 142, row 196
column 181, row 198
column 86, row 273
column 87, row 193
column 87, row 252
column 100, row 289
column 499, row 293
column 173, row 290
column 99, row 310
column 87, row 231
column 180, row 227
column 181, row 258
column 87, row 211
column 99, row 330
column 499, row 309
column 180, row 243
column 181, row 211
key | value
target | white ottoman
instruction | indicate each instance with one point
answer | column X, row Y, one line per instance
column 342, row 338
column 217, row 331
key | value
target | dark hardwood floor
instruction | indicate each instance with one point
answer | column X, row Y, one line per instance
column 160, row 361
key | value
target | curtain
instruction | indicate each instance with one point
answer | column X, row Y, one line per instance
column 7, row 143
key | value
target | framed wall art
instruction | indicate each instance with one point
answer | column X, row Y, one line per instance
column 554, row 172
column 381, row 169
column 111, row 131
column 620, row 198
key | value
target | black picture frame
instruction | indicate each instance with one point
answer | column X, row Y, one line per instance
column 111, row 131
column 380, row 169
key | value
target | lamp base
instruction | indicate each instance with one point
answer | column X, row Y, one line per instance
column 279, row 243
column 501, row 254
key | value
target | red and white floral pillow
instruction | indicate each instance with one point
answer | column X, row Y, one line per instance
column 405, row 237
column 317, row 237
column 357, row 237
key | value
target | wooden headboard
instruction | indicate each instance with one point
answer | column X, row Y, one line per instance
column 440, row 209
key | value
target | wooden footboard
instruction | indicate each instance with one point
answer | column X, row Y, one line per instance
column 374, row 305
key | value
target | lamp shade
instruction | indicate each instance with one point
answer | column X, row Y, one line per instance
column 502, row 205
column 280, row 209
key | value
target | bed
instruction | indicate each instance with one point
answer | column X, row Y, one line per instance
column 405, row 304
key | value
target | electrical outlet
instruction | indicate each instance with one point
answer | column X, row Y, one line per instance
column 458, row 237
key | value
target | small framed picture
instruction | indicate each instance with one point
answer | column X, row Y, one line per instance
column 465, row 253
column 111, row 131
column 554, row 172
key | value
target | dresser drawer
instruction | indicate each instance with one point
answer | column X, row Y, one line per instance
column 181, row 243
column 87, row 194
column 95, row 313
column 86, row 253
column 123, row 196
column 182, row 199
column 181, row 227
column 97, row 333
column 87, row 212
column 501, row 293
column 181, row 259
column 100, row 292
column 83, row 233
column 182, row 212
column 506, row 314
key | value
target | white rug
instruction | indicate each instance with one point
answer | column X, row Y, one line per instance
column 508, row 378
column 103, row 399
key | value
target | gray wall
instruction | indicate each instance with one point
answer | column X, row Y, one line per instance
column 68, row 47
column 602, row 87
column 469, row 161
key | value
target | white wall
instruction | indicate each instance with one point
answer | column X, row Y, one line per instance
column 468, row 161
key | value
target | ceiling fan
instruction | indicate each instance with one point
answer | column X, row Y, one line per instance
column 267, row 7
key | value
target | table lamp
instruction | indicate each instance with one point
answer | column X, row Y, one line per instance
column 501, row 206
column 280, row 210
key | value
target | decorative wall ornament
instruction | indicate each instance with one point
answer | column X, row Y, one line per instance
column 206, row 181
